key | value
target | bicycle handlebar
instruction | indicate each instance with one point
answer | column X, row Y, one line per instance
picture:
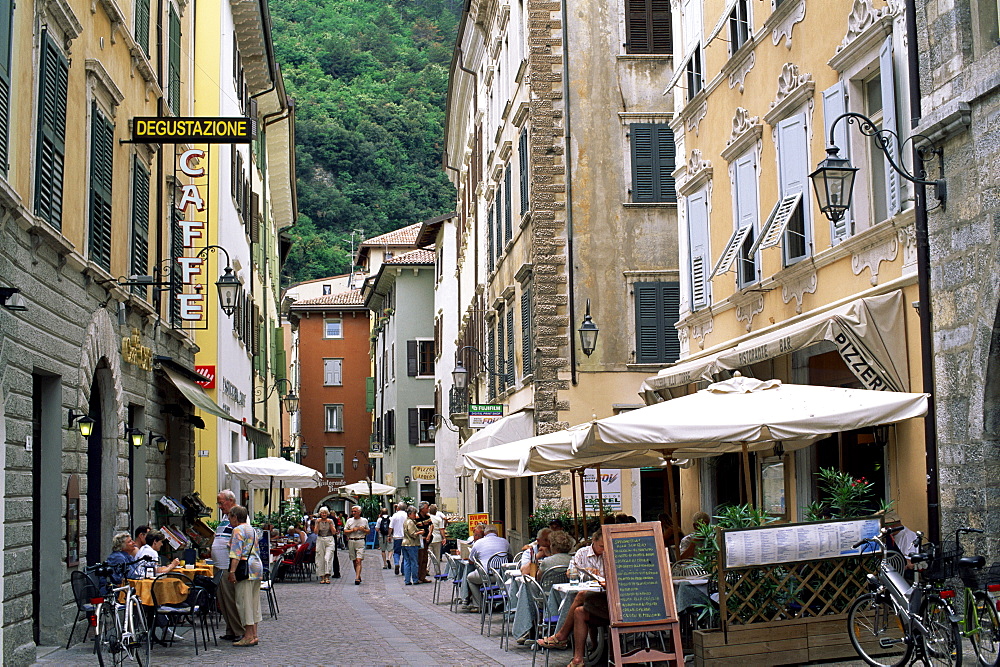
column 882, row 532
column 969, row 530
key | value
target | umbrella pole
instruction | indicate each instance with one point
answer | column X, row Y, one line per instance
column 746, row 474
column 583, row 503
column 673, row 505
column 576, row 520
column 600, row 495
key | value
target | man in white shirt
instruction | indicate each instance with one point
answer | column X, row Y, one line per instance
column 225, row 589
column 481, row 551
column 396, row 528
column 356, row 531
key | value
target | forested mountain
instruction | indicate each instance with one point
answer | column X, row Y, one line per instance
column 369, row 79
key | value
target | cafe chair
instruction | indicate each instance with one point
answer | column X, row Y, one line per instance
column 493, row 590
column 553, row 576
column 544, row 625
column 438, row 577
column 267, row 588
column 85, row 589
column 371, row 540
column 189, row 611
column 458, row 570
column 687, row 568
column 499, row 576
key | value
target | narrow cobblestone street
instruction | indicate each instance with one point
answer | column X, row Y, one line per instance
column 380, row 622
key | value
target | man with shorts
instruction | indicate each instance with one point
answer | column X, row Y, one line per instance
column 396, row 524
column 356, row 530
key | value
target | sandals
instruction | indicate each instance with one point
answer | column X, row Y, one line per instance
column 553, row 643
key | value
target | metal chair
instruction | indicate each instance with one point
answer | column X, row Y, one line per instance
column 544, row 625
column 267, row 587
column 457, row 579
column 85, row 589
column 189, row 609
column 687, row 568
column 553, row 575
column 492, row 589
column 438, row 577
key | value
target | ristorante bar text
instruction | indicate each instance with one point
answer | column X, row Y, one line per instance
column 199, row 130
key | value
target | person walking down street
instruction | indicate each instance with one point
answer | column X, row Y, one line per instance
column 225, row 590
column 325, row 529
column 356, row 531
column 245, row 548
column 396, row 523
column 411, row 545
column 425, row 525
column 384, row 528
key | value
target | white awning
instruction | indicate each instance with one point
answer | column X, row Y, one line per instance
column 513, row 427
column 868, row 333
column 194, row 393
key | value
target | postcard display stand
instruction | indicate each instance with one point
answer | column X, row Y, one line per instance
column 640, row 591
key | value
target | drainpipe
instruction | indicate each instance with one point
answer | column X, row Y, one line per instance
column 923, row 283
column 567, row 141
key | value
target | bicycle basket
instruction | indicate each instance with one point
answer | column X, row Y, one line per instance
column 942, row 565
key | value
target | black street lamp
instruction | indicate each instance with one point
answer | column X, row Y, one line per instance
column 134, row 436
column 460, row 376
column 289, row 400
column 437, row 418
column 588, row 333
column 228, row 284
column 83, row 421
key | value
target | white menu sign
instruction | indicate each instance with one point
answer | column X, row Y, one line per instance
column 806, row 541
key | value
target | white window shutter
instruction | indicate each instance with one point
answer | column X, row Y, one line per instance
column 697, row 215
column 834, row 104
column 336, row 372
column 328, row 371
column 732, row 250
column 888, row 80
column 746, row 204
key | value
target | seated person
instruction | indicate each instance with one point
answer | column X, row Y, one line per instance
column 560, row 542
column 535, row 551
column 154, row 542
column 482, row 550
column 691, row 542
column 123, row 558
column 139, row 537
column 589, row 607
column 296, row 534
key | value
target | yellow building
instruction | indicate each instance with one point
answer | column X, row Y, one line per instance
column 769, row 285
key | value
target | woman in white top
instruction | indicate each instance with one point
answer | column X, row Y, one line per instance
column 154, row 542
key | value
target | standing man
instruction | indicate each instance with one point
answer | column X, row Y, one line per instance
column 385, row 537
column 425, row 525
column 438, row 535
column 396, row 526
column 356, row 531
column 412, row 537
column 225, row 589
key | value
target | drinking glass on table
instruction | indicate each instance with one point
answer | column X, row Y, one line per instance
column 574, row 575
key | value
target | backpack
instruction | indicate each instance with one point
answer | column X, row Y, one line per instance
column 383, row 525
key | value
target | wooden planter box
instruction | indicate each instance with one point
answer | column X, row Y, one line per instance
column 793, row 641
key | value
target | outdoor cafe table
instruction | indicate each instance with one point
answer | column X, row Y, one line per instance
column 168, row 591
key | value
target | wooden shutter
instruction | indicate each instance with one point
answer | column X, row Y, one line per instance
column 657, row 308
column 53, row 86
column 499, row 366
column 697, row 216
column 670, row 295
column 526, row 346
column 510, row 346
column 491, row 356
column 834, row 104
column 663, row 138
column 489, row 241
column 102, row 146
column 413, row 415
column 174, row 64
column 793, row 175
column 498, row 219
column 390, row 427
column 328, row 372
column 522, row 156
column 507, row 223
column 140, row 222
column 142, row 25
column 648, row 27
column 6, row 16
column 254, row 217
column 653, row 157
column 893, row 184
column 369, row 394
column 412, row 358
column 661, row 28
column 746, row 218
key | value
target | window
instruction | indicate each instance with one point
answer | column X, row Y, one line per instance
column 745, row 200
column 522, row 156
column 420, row 358
column 693, row 70
column 835, row 104
column 174, row 64
column 739, row 25
column 510, row 346
column 142, row 25
column 390, row 428
column 102, row 149
column 500, row 362
column 656, row 312
column 334, row 462
column 419, row 421
column 788, row 220
column 498, row 219
column 986, row 25
column 333, row 328
column 327, row 290
column 697, row 218
column 333, row 372
column 507, row 222
column 652, row 163
column 140, row 222
column 6, row 17
column 335, row 418
column 490, row 261
column 647, row 27
column 52, row 88
column 491, row 347
column 526, row 346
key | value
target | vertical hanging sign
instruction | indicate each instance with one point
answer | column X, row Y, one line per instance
column 191, row 220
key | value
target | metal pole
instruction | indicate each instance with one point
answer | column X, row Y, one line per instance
column 600, row 495
column 746, row 474
column 583, row 503
column 675, row 524
column 576, row 520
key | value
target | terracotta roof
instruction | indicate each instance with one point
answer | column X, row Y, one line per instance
column 404, row 236
column 349, row 298
column 414, row 257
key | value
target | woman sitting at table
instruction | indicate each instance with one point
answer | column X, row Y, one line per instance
column 691, row 542
column 589, row 607
column 560, row 543
column 154, row 542
column 296, row 534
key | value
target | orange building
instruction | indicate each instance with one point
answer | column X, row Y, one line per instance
column 332, row 364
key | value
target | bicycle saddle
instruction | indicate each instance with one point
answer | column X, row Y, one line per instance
column 972, row 561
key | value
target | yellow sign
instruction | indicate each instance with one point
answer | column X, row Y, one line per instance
column 476, row 519
column 193, row 130
column 423, row 473
column 135, row 353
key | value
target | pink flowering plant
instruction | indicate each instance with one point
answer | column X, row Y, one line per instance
column 843, row 496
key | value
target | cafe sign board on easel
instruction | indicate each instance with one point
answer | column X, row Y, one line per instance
column 640, row 591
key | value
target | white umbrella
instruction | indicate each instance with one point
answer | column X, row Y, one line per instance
column 264, row 473
column 361, row 489
column 741, row 412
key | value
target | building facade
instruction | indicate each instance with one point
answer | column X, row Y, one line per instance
column 560, row 145
column 331, row 373
column 769, row 285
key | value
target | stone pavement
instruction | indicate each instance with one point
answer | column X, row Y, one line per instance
column 379, row 623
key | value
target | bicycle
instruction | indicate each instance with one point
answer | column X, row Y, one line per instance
column 894, row 619
column 980, row 622
column 120, row 631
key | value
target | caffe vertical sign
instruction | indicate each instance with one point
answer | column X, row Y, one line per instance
column 191, row 200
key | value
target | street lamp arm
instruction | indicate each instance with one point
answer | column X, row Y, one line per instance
column 882, row 138
column 203, row 253
column 482, row 358
column 260, row 396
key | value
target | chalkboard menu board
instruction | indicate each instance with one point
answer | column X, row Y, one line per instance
column 795, row 542
column 638, row 575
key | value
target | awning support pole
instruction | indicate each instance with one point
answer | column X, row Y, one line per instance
column 600, row 495
column 746, row 474
column 576, row 520
column 583, row 504
column 671, row 502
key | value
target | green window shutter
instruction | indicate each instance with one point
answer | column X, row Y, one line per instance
column 508, row 226
column 177, row 250
column 279, row 353
column 656, row 313
column 280, row 365
column 498, row 211
column 500, row 367
column 369, row 394
column 509, row 369
column 526, row 346
column 489, row 242
column 6, row 16
column 413, row 421
column 174, row 64
column 653, row 158
column 142, row 25
column 492, row 351
column 666, row 153
column 140, row 222
column 102, row 145
column 52, row 90
column 522, row 156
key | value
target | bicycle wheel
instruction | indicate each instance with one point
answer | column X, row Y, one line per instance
column 942, row 641
column 107, row 641
column 137, row 640
column 877, row 633
column 985, row 639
